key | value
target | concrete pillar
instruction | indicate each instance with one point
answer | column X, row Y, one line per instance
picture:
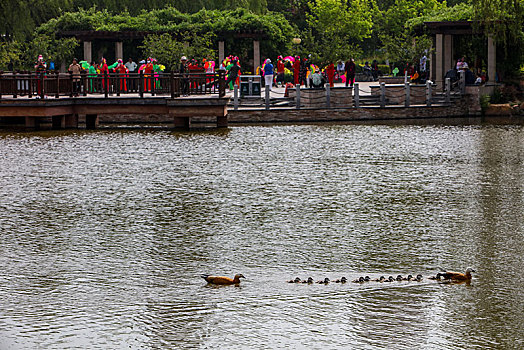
column 256, row 54
column 222, row 121
column 221, row 52
column 439, row 58
column 92, row 121
column 119, row 50
column 182, row 122
column 71, row 121
column 448, row 52
column 58, row 122
column 88, row 52
column 32, row 123
column 492, row 60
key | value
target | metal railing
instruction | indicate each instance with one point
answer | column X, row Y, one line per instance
column 50, row 84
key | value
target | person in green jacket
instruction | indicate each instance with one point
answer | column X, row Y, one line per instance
column 92, row 74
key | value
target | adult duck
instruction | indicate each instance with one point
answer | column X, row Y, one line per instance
column 222, row 280
column 457, row 276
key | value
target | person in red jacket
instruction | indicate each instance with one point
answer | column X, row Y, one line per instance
column 330, row 70
column 296, row 69
column 148, row 75
column 280, row 70
column 122, row 71
column 350, row 72
column 104, row 71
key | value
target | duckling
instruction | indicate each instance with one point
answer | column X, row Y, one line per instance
column 325, row 281
column 390, row 279
column 366, row 279
column 309, row 280
column 419, row 278
column 437, row 277
column 399, row 278
column 381, row 279
column 409, row 278
column 222, row 280
column 342, row 280
column 457, row 276
column 296, row 280
column 359, row 280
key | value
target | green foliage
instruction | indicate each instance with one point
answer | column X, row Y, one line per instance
column 167, row 49
column 504, row 21
column 10, row 54
column 198, row 25
column 400, row 42
column 19, row 18
column 459, row 12
column 339, row 25
column 484, row 102
column 53, row 49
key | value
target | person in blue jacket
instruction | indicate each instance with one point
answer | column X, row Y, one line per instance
column 268, row 74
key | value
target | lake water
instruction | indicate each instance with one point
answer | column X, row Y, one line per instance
column 104, row 236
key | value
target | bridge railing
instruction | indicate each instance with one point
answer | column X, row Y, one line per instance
column 47, row 84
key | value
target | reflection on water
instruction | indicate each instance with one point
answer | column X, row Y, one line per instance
column 104, row 236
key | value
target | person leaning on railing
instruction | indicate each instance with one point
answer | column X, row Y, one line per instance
column 183, row 70
column 75, row 69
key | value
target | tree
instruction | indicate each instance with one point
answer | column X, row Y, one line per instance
column 339, row 26
column 168, row 50
column 400, row 42
column 10, row 54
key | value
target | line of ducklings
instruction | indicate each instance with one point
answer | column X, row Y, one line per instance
column 361, row 279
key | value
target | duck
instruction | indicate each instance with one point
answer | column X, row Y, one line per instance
column 222, row 280
column 419, row 278
column 437, row 277
column 325, row 281
column 380, row 279
column 309, row 280
column 457, row 276
column 360, row 280
column 367, row 279
column 409, row 278
column 342, row 280
column 399, row 278
column 296, row 280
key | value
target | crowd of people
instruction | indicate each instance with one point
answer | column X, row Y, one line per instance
column 301, row 70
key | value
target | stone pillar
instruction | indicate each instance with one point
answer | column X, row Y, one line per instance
column 119, row 50
column 32, row 123
column 439, row 58
column 448, row 52
column 256, row 55
column 222, row 121
column 92, row 121
column 58, row 122
column 71, row 121
column 221, row 52
column 181, row 122
column 88, row 53
column 492, row 60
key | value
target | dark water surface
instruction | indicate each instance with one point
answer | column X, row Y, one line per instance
column 103, row 236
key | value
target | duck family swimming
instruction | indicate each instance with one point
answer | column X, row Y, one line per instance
column 446, row 276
